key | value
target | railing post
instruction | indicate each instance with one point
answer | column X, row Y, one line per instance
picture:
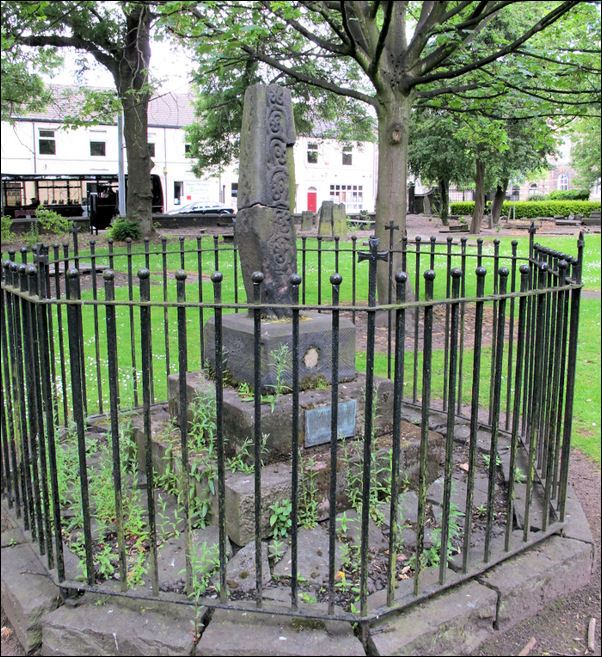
column 401, row 281
column 73, row 322
column 480, row 272
column 373, row 256
column 456, row 275
column 145, row 339
column 113, row 371
column 257, row 278
column 294, row 282
column 429, row 278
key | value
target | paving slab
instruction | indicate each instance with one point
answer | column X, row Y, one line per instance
column 454, row 623
column 112, row 627
column 27, row 594
column 246, row 633
column 528, row 582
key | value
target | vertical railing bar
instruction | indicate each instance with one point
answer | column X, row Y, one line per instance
column 16, row 356
column 50, row 342
column 7, row 402
column 510, row 337
column 235, row 265
column 373, row 256
column 78, row 414
column 394, row 532
column 145, row 340
column 570, row 378
column 526, row 417
column 496, row 266
column 257, row 278
column 456, row 275
column 150, row 342
column 183, row 418
column 36, row 349
column 391, row 227
column 199, row 241
column 556, row 349
column 353, row 274
column 319, row 238
column 543, row 382
column 463, row 241
column 561, row 358
column 59, row 319
column 480, row 272
column 496, row 399
column 303, row 266
column 447, row 313
column 31, row 436
column 131, row 314
column 113, row 372
column 165, row 309
column 294, row 282
column 533, row 428
column 522, row 306
column 335, row 281
column 416, row 313
column 96, row 336
column 219, row 425
column 429, row 277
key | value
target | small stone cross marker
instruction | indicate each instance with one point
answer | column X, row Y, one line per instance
column 373, row 256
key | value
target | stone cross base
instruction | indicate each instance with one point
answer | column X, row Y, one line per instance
column 315, row 349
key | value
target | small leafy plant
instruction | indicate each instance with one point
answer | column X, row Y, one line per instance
column 123, row 228
column 280, row 518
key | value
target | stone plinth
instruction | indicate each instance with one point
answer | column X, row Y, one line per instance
column 315, row 349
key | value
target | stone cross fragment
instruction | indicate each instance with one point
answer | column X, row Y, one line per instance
column 265, row 233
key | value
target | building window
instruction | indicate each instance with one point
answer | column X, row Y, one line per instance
column 234, row 190
column 151, row 150
column 186, row 149
column 563, row 181
column 178, row 186
column 351, row 195
column 46, row 143
column 533, row 189
column 348, row 155
column 98, row 148
column 312, row 153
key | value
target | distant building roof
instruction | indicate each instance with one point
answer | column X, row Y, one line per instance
column 164, row 110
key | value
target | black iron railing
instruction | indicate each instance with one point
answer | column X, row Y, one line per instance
column 477, row 369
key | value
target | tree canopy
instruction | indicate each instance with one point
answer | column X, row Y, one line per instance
column 117, row 36
column 394, row 56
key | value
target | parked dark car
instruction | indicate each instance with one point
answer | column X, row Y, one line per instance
column 203, row 208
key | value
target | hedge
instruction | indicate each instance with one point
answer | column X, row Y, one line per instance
column 533, row 209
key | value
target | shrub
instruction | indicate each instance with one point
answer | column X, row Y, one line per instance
column 6, row 234
column 533, row 209
column 50, row 221
column 123, row 228
column 569, row 195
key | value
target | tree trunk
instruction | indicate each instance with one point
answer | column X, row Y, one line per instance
column 391, row 196
column 479, row 197
column 444, row 194
column 498, row 201
column 131, row 79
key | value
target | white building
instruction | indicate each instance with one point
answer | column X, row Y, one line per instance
column 39, row 143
